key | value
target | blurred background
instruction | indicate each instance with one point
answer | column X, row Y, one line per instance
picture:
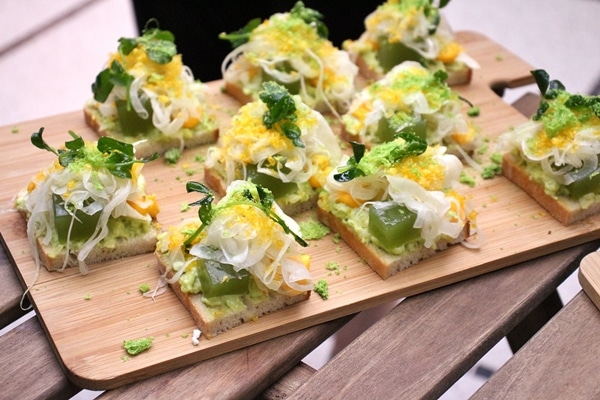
column 50, row 53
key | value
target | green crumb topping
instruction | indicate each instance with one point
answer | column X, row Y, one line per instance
column 466, row 179
column 172, row 156
column 333, row 267
column 493, row 169
column 322, row 289
column 144, row 287
column 136, row 346
column 313, row 230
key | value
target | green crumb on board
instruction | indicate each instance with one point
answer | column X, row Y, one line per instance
column 136, row 346
column 336, row 238
column 87, row 296
column 466, row 179
column 172, row 156
column 313, row 230
column 333, row 267
column 144, row 287
column 322, row 288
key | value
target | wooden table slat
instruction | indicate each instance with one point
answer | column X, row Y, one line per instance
column 226, row 377
column 412, row 346
column 11, row 289
column 560, row 362
column 30, row 369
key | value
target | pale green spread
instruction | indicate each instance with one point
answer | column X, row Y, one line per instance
column 190, row 281
column 234, row 303
column 118, row 229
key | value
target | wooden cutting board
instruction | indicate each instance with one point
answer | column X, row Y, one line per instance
column 589, row 276
column 88, row 317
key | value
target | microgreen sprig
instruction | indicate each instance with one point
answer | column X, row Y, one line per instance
column 389, row 153
column 281, row 113
column 118, row 160
column 206, row 211
column 308, row 15
column 159, row 46
column 242, row 35
column 311, row 17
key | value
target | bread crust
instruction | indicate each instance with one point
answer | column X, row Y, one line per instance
column 564, row 209
column 456, row 76
column 383, row 263
column 237, row 93
column 147, row 148
column 212, row 324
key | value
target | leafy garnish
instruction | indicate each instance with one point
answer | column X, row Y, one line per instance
column 263, row 200
column 242, row 35
column 386, row 154
column 308, row 15
column 551, row 88
column 281, row 113
column 159, row 46
column 351, row 170
column 548, row 89
column 118, row 156
column 311, row 17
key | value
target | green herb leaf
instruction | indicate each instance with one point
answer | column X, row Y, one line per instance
column 118, row 160
column 281, row 111
column 386, row 154
column 38, row 141
column 311, row 17
column 351, row 171
column 158, row 44
column 242, row 35
column 207, row 212
column 110, row 77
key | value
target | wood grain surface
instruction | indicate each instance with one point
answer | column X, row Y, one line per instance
column 87, row 335
column 560, row 362
column 589, row 277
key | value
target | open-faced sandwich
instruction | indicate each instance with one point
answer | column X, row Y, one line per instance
column 396, row 204
column 146, row 96
column 292, row 49
column 90, row 205
column 554, row 156
column 278, row 142
column 402, row 30
column 410, row 98
column 240, row 259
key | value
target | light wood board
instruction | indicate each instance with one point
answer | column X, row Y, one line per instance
column 589, row 276
column 87, row 335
